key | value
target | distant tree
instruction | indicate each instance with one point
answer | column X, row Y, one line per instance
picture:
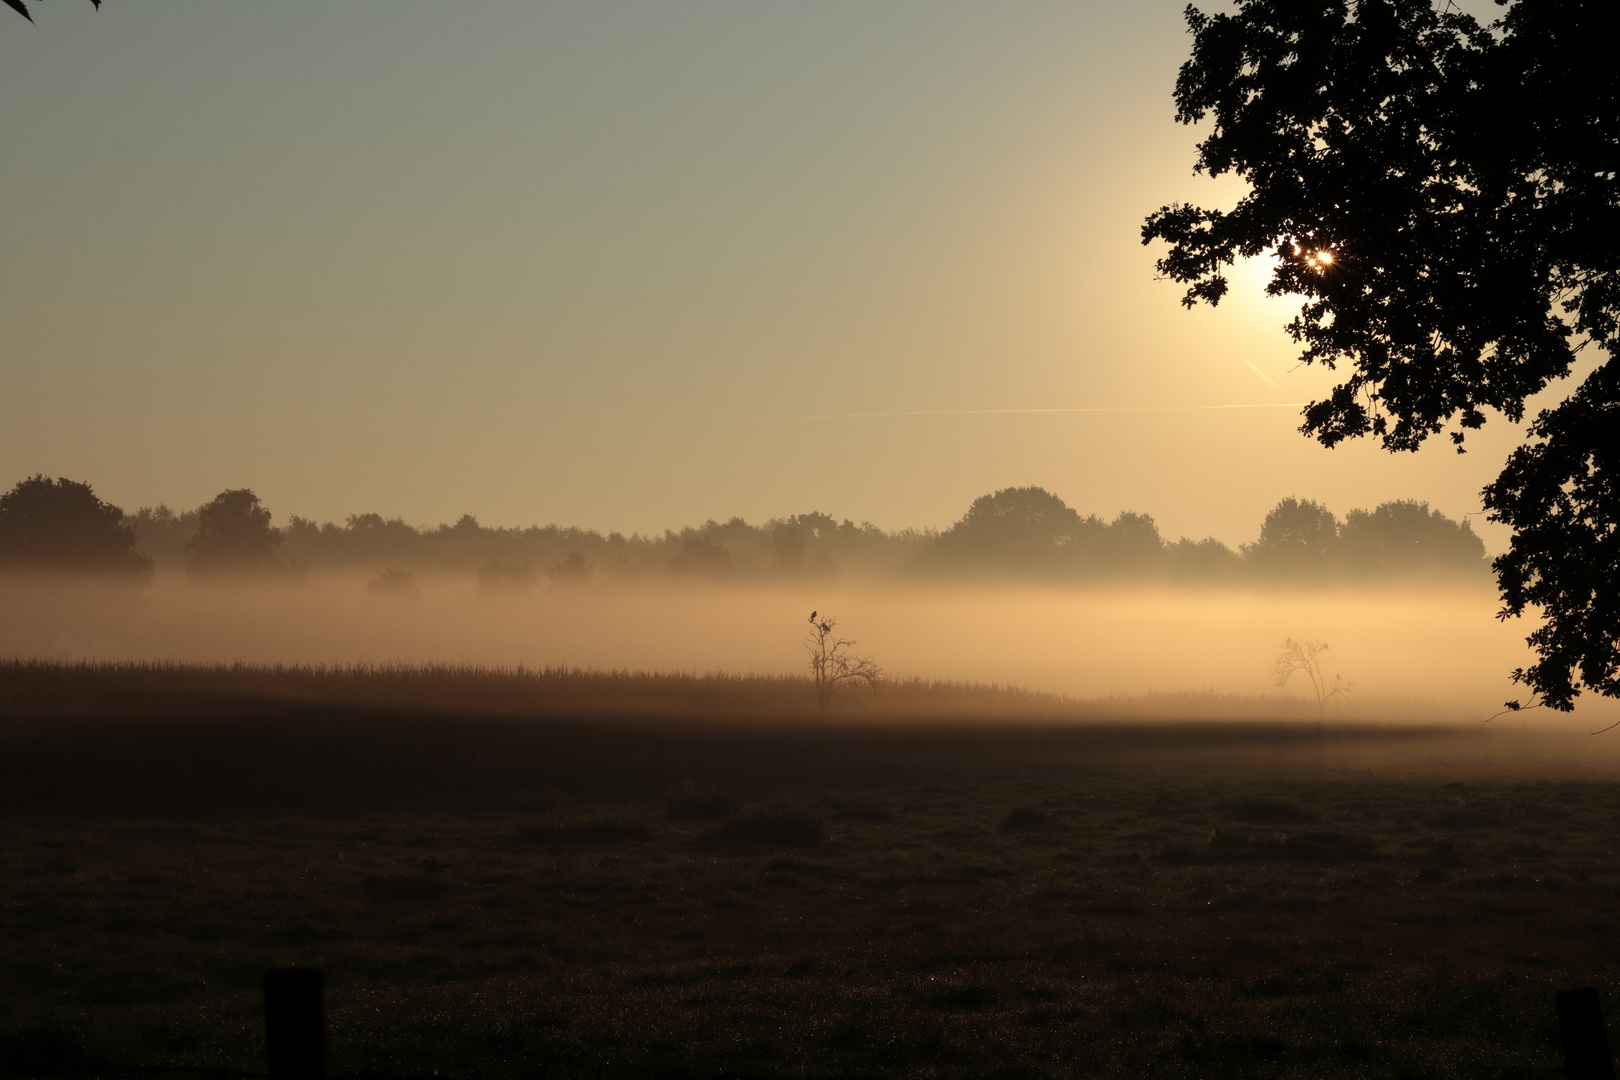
column 700, row 556
column 576, row 569
column 799, row 544
column 1298, row 539
column 1202, row 560
column 1016, row 517
column 61, row 525
column 162, row 533
column 833, row 667
column 1407, row 537
column 372, row 538
column 1130, row 545
column 1024, row 531
column 309, row 540
column 1306, row 656
column 1445, row 198
column 233, row 535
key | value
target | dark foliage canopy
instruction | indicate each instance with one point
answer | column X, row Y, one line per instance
column 233, row 533
column 1444, row 197
column 1028, row 531
column 1028, row 518
column 60, row 525
column 1407, row 536
column 1298, row 537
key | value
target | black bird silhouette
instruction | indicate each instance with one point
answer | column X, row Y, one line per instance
column 812, row 616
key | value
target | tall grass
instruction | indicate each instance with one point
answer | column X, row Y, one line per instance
column 41, row 689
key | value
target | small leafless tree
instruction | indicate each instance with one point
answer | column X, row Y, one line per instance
column 833, row 667
column 1307, row 656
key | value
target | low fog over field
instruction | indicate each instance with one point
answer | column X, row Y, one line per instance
column 1022, row 591
column 1440, row 645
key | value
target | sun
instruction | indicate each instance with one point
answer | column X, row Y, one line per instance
column 1318, row 260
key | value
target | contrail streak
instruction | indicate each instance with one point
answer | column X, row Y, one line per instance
column 1003, row 412
column 1269, row 380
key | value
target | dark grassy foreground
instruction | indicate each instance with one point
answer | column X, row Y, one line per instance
column 501, row 895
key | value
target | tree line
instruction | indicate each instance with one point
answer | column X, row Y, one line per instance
column 1023, row 533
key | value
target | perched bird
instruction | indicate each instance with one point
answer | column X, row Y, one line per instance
column 812, row 616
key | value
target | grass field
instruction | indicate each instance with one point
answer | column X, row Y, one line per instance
column 550, row 888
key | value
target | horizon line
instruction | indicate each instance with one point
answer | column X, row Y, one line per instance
column 1102, row 409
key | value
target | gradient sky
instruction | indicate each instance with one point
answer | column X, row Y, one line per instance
column 590, row 263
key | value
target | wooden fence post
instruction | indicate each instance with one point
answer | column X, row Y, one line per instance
column 1580, row 1029
column 294, row 1024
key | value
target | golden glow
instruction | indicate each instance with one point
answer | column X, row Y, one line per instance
column 647, row 237
column 1439, row 645
column 1319, row 260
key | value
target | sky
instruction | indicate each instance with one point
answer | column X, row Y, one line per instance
column 631, row 266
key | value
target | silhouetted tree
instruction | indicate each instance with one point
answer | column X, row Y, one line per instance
column 1446, row 199
column 1202, row 560
column 1298, row 539
column 1016, row 517
column 809, row 544
column 1306, row 656
column 700, row 556
column 1407, row 537
column 60, row 525
column 576, row 569
column 1016, row 533
column 162, row 533
column 1019, row 531
column 800, row 543
column 363, row 538
column 833, row 668
column 1131, row 545
column 234, row 534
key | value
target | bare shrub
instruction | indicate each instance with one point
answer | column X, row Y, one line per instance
column 833, row 667
column 1307, row 656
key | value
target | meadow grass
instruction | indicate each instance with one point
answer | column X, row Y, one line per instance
column 509, row 894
